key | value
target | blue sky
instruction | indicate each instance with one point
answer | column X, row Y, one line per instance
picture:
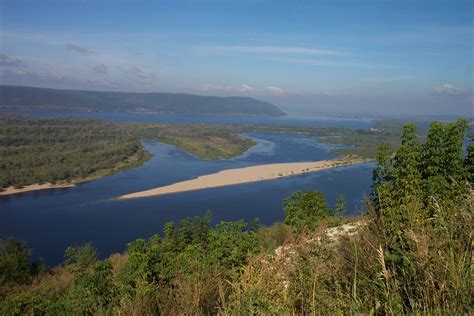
column 397, row 57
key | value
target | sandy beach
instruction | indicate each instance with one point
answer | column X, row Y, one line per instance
column 245, row 175
column 34, row 187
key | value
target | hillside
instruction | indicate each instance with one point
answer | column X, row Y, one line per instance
column 30, row 98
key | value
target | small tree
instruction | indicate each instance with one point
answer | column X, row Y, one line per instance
column 469, row 162
column 304, row 209
column 82, row 257
column 14, row 261
column 341, row 206
column 407, row 182
column 432, row 166
column 382, row 175
column 230, row 243
column 454, row 157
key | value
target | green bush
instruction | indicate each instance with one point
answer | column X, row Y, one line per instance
column 303, row 210
column 14, row 262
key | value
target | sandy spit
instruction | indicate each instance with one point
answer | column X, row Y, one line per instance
column 34, row 187
column 245, row 175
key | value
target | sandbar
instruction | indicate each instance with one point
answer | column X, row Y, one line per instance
column 245, row 175
column 34, row 187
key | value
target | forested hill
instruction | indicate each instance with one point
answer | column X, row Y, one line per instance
column 30, row 98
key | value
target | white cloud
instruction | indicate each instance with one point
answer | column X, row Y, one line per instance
column 447, row 89
column 232, row 89
column 244, row 88
column 273, row 90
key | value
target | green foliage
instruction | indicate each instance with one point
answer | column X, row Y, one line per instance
column 469, row 162
column 341, row 206
column 407, row 166
column 365, row 143
column 14, row 261
column 81, row 258
column 382, row 176
column 454, row 156
column 436, row 169
column 434, row 160
column 417, row 176
column 304, row 209
column 92, row 290
column 204, row 141
column 230, row 244
column 38, row 150
column 21, row 304
column 382, row 172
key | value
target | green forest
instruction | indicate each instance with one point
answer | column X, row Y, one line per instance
column 45, row 99
column 39, row 150
column 71, row 150
column 410, row 253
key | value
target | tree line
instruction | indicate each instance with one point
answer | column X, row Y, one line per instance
column 38, row 150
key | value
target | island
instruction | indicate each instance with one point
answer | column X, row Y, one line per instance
column 246, row 175
column 48, row 153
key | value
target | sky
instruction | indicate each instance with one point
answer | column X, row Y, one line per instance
column 355, row 56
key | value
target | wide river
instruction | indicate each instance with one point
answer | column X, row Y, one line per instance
column 49, row 221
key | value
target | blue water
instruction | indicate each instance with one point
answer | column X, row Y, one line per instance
column 49, row 221
column 293, row 120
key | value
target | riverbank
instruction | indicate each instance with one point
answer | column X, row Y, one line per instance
column 34, row 187
column 246, row 175
column 133, row 161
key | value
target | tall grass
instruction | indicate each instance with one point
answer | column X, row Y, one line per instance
column 356, row 275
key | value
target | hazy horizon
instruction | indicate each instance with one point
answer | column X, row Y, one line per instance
column 339, row 57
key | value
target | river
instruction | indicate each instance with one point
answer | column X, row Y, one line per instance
column 49, row 221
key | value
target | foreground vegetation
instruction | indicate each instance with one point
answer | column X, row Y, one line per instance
column 410, row 254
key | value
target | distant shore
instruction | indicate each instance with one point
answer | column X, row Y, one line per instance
column 34, row 187
column 246, row 175
column 133, row 161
